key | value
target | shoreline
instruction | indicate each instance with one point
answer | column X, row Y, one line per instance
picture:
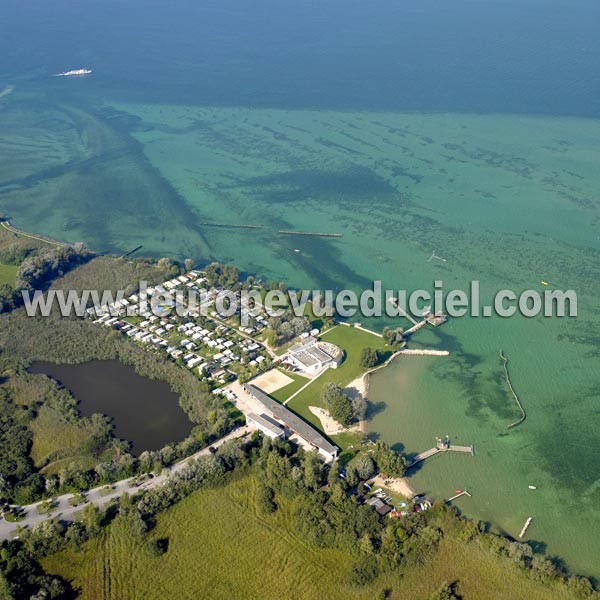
column 6, row 224
column 398, row 485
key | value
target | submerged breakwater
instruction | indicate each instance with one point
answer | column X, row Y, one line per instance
column 512, row 391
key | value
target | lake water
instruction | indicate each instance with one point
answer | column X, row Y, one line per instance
column 143, row 411
column 468, row 128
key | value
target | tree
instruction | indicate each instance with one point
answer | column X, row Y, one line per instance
column 92, row 520
column 364, row 466
column 359, row 407
column 393, row 337
column 189, row 264
column 312, row 470
column 334, row 473
column 580, row 586
column 340, row 409
column 164, row 263
column 339, row 404
column 365, row 544
column 388, row 461
column 8, row 297
column 445, row 592
column 287, row 326
column 265, row 498
column 369, row 357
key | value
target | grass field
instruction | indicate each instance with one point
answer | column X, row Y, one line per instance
column 352, row 341
column 282, row 394
column 220, row 547
column 8, row 274
column 52, row 433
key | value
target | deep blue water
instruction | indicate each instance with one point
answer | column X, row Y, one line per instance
column 484, row 56
column 79, row 168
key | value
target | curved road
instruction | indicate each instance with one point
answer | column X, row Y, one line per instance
column 65, row 512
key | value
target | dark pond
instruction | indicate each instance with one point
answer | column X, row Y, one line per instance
column 143, row 411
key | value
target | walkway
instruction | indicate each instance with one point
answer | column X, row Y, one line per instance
column 65, row 512
column 433, row 451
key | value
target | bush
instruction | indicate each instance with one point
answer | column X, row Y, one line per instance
column 364, row 571
column 389, row 462
column 265, row 499
column 369, row 357
column 446, row 592
column 158, row 547
column 340, row 406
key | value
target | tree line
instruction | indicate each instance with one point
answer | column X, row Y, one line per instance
column 325, row 511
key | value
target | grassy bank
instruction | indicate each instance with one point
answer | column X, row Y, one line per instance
column 219, row 546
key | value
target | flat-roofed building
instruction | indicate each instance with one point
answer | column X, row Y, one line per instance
column 294, row 423
column 267, row 425
column 311, row 355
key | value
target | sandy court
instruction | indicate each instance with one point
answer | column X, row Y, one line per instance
column 271, row 381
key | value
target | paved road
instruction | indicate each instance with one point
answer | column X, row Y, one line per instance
column 65, row 512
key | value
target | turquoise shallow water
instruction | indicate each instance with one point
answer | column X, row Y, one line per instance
column 413, row 141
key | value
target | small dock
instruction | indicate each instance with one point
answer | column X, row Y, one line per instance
column 415, row 327
column 442, row 445
column 435, row 319
column 456, row 496
column 394, row 302
column 131, row 252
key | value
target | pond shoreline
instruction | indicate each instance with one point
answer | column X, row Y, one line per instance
column 143, row 411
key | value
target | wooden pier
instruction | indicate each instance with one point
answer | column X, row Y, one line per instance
column 416, row 327
column 442, row 446
column 131, row 252
column 394, row 302
column 456, row 496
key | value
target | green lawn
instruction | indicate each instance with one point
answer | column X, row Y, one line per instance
column 282, row 394
column 8, row 274
column 219, row 546
column 352, row 341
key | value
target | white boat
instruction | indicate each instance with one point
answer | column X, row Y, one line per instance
column 73, row 73
column 532, row 487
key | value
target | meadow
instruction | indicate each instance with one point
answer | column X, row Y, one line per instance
column 58, row 443
column 220, row 546
column 8, row 274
